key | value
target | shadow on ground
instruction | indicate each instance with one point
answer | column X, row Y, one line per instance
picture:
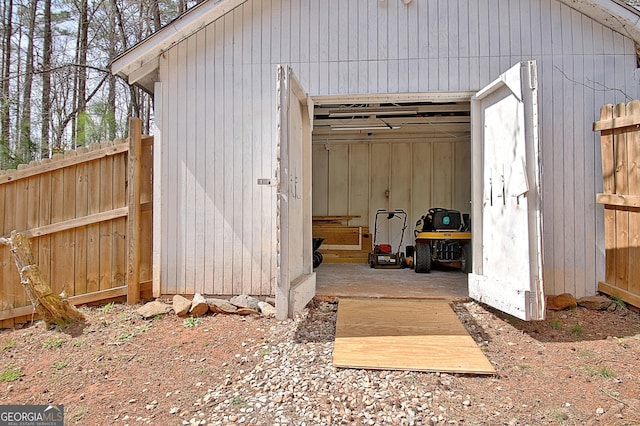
column 319, row 325
column 576, row 325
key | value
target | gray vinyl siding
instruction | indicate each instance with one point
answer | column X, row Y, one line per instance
column 219, row 102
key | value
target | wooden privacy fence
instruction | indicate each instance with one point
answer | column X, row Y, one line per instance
column 88, row 214
column 620, row 140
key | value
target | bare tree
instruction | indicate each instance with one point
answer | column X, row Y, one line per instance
column 80, row 81
column 25, row 149
column 5, row 100
column 46, row 77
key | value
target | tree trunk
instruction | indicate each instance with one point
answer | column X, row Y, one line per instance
column 52, row 308
column 25, row 145
column 46, row 80
column 81, row 74
column 5, row 95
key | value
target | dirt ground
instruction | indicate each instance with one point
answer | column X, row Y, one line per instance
column 576, row 367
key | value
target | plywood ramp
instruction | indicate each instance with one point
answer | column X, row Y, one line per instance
column 393, row 334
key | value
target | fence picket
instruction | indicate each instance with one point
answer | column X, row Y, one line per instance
column 119, row 183
column 633, row 142
column 80, row 280
column 106, row 228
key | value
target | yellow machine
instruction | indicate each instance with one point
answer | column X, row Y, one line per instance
column 442, row 236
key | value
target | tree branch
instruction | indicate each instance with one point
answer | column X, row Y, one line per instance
column 36, row 72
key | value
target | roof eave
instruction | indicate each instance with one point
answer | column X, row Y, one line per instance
column 140, row 63
column 613, row 14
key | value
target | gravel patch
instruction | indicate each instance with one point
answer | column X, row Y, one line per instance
column 294, row 383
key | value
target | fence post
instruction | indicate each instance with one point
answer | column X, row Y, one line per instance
column 133, row 201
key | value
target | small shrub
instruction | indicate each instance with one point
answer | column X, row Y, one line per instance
column 606, row 373
column 238, row 400
column 125, row 336
column 264, row 351
column 10, row 375
column 559, row 415
column 577, row 329
column 620, row 304
column 8, row 345
column 586, row 353
column 79, row 414
column 556, row 324
column 60, row 365
column 191, row 322
column 144, row 327
column 108, row 307
column 53, row 343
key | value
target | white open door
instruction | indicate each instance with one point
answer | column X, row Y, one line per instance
column 296, row 280
column 505, row 195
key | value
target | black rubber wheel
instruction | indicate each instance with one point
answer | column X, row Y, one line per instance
column 465, row 261
column 317, row 259
column 422, row 258
column 372, row 261
column 403, row 261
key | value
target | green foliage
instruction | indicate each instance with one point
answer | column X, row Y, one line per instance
column 606, row 373
column 556, row 324
column 60, row 365
column 108, row 307
column 586, row 353
column 125, row 336
column 78, row 415
column 559, row 415
column 603, row 372
column 265, row 350
column 96, row 125
column 8, row 345
column 620, row 304
column 53, row 343
column 238, row 400
column 10, row 374
column 191, row 322
column 578, row 329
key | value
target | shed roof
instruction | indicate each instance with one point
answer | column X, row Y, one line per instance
column 139, row 64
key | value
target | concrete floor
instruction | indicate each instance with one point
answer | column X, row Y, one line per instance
column 335, row 280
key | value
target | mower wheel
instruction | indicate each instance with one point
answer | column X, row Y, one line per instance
column 372, row 260
column 317, row 259
column 422, row 257
column 465, row 261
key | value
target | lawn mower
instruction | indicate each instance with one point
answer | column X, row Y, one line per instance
column 442, row 236
column 382, row 255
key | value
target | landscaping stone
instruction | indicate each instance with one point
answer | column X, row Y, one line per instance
column 151, row 309
column 181, row 305
column 245, row 301
column 221, row 306
column 267, row 309
column 595, row 303
column 561, row 302
column 199, row 305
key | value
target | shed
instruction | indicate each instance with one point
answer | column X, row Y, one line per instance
column 484, row 106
